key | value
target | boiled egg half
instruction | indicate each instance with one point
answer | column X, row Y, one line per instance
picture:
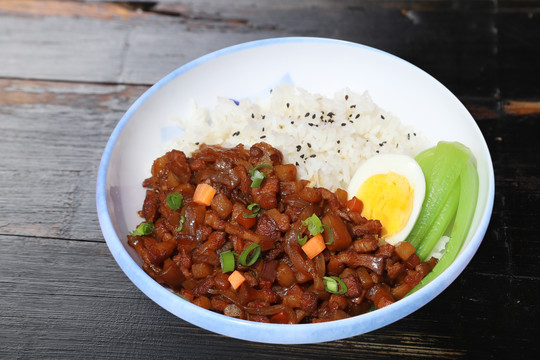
column 392, row 188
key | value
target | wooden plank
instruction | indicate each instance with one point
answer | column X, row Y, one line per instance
column 53, row 137
column 69, row 297
column 442, row 42
column 513, row 238
column 73, row 47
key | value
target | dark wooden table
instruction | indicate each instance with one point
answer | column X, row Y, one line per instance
column 69, row 70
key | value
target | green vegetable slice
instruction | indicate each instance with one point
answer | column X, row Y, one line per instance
column 334, row 285
column 182, row 221
column 314, row 225
column 257, row 176
column 448, row 161
column 250, row 255
column 302, row 240
column 467, row 205
column 227, row 261
column 440, row 225
column 144, row 228
column 174, row 201
column 257, row 179
column 330, row 235
column 254, row 208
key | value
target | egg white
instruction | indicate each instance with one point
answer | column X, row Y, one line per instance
column 400, row 164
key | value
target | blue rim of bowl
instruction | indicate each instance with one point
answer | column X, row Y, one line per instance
column 254, row 331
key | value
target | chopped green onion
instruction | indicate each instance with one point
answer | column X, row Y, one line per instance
column 174, row 201
column 256, row 168
column 257, row 179
column 314, row 225
column 330, row 235
column 334, row 285
column 302, row 240
column 144, row 228
column 227, row 261
column 182, row 221
column 255, row 208
column 245, row 258
column 257, row 176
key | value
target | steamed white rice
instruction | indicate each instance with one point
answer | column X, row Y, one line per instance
column 327, row 138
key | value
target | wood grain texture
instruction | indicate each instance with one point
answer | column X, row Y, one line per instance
column 69, row 297
column 169, row 35
column 70, row 69
column 55, row 134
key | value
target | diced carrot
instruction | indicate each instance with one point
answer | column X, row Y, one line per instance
column 314, row 246
column 204, row 194
column 355, row 205
column 236, row 279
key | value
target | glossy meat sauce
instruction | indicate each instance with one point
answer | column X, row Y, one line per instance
column 283, row 285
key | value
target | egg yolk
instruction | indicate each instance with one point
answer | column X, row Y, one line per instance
column 388, row 198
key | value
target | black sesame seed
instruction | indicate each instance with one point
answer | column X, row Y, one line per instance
column 377, row 151
column 339, row 141
column 263, row 129
column 353, row 106
column 263, row 116
column 287, row 105
column 302, row 156
column 309, row 145
column 351, row 121
column 408, row 136
column 343, row 124
column 197, row 143
column 330, row 114
column 382, row 117
column 346, row 97
column 298, row 147
column 252, row 115
column 314, row 116
column 357, row 116
column 339, row 151
column 312, row 156
column 310, row 124
column 236, row 133
column 292, row 122
column 262, row 137
column 414, row 134
column 307, row 114
column 296, row 163
column 381, row 144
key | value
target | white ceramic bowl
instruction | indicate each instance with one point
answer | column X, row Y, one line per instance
column 249, row 70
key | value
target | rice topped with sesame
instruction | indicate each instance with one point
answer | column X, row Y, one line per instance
column 326, row 138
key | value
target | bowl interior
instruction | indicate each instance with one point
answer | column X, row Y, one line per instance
column 251, row 70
